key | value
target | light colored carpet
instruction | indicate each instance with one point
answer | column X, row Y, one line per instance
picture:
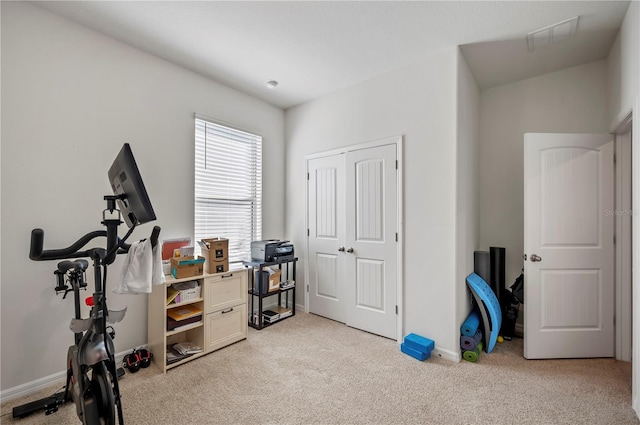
column 310, row 370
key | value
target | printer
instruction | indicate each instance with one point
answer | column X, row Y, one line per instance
column 271, row 250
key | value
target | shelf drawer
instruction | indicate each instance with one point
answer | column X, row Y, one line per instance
column 225, row 290
column 225, row 327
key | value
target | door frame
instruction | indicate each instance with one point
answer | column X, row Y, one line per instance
column 620, row 124
column 635, row 252
column 398, row 142
column 623, row 284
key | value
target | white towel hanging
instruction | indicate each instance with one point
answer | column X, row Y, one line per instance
column 142, row 269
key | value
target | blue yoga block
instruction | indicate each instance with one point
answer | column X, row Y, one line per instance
column 419, row 343
column 416, row 354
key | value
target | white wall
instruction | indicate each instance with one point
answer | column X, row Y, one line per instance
column 624, row 97
column 70, row 98
column 467, row 185
column 568, row 101
column 623, row 68
column 419, row 103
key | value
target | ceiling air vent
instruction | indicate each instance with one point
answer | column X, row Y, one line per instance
column 552, row 34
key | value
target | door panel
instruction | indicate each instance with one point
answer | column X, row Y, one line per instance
column 569, row 291
column 369, row 200
column 370, row 285
column 327, row 275
column 583, row 287
column 570, row 206
column 326, row 234
column 371, row 236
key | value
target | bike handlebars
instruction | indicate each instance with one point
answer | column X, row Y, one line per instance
column 37, row 253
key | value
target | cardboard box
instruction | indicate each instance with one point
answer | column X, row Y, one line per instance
column 187, row 266
column 270, row 280
column 274, row 281
column 216, row 266
column 216, row 253
column 217, row 249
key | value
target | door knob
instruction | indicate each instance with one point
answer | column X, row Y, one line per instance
column 350, row 250
column 535, row 258
column 341, row 249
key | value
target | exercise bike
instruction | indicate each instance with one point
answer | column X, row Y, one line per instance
column 92, row 375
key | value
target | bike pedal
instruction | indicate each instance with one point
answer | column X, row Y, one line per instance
column 120, row 372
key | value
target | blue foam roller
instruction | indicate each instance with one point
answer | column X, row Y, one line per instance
column 419, row 343
column 416, row 354
column 470, row 325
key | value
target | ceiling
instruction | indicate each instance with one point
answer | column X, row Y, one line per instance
column 314, row 48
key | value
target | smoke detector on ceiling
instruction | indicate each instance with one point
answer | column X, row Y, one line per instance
column 552, row 34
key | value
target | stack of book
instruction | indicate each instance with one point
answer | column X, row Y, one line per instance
column 282, row 311
column 287, row 284
column 173, row 356
column 276, row 313
column 270, row 316
column 187, row 347
column 181, row 350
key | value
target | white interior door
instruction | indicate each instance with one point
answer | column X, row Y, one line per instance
column 352, row 245
column 569, row 223
column 326, row 236
column 371, row 240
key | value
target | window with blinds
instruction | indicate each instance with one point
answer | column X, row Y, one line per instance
column 228, row 187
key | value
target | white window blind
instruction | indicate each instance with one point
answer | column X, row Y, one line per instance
column 228, row 187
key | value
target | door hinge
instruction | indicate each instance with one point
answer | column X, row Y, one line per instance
column 396, row 309
column 615, row 159
column 307, row 287
column 396, row 237
column 614, row 239
column 396, row 164
column 307, row 176
column 308, row 234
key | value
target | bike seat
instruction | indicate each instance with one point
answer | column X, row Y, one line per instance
column 79, row 265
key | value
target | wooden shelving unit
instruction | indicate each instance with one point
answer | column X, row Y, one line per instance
column 223, row 302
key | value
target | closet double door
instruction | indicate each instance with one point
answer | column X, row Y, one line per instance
column 353, row 252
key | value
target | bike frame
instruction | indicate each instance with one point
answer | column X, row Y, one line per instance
column 93, row 349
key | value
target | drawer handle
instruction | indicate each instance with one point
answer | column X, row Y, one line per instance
column 227, row 275
column 227, row 311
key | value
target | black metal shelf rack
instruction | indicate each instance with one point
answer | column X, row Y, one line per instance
column 257, row 295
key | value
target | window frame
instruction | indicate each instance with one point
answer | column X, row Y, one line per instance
column 231, row 191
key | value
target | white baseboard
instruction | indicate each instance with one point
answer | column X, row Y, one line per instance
column 446, row 354
column 34, row 386
column 58, row 378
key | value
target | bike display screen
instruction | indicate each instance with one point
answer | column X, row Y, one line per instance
column 126, row 180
